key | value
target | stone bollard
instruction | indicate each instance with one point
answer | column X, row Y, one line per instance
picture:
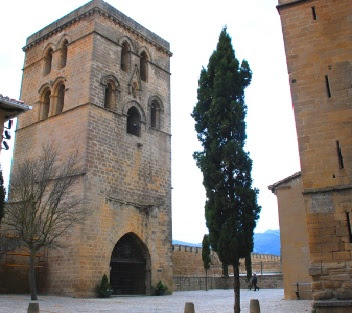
column 33, row 307
column 254, row 306
column 189, row 307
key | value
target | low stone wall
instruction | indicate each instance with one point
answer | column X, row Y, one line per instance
column 14, row 267
column 186, row 283
column 15, row 279
column 271, row 281
column 187, row 261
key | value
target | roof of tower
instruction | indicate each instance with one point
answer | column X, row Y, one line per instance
column 105, row 9
column 287, row 3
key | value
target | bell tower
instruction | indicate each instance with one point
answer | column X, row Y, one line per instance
column 99, row 84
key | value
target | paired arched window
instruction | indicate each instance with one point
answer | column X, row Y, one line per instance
column 52, row 102
column 133, row 121
column 63, row 60
column 125, row 57
column 62, row 48
column 45, row 104
column 48, row 59
column 143, row 66
column 60, row 98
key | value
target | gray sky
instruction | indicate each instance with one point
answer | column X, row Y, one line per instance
column 192, row 27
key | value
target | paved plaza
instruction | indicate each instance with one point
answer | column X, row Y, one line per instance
column 213, row 301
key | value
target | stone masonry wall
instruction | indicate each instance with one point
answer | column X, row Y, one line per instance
column 14, row 271
column 75, row 74
column 182, row 283
column 187, row 261
column 317, row 37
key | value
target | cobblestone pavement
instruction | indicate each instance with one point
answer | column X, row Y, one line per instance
column 213, row 301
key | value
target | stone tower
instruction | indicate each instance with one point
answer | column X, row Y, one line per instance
column 99, row 84
column 317, row 36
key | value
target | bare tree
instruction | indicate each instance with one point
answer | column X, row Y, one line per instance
column 41, row 205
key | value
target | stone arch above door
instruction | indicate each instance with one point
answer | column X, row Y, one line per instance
column 130, row 266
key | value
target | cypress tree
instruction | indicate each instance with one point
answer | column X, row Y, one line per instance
column 206, row 258
column 248, row 265
column 231, row 208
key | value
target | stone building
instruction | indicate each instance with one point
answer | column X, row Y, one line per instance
column 293, row 237
column 317, row 36
column 99, row 84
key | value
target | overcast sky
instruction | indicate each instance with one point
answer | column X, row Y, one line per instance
column 192, row 27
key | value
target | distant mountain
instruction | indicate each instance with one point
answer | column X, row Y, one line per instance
column 265, row 243
column 183, row 243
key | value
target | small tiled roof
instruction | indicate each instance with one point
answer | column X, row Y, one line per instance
column 12, row 107
column 284, row 181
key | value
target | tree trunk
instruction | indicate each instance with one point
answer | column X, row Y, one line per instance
column 206, row 280
column 236, row 277
column 32, row 280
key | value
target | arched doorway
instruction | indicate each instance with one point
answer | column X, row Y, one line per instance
column 130, row 266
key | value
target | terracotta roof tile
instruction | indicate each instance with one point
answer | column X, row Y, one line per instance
column 12, row 107
column 14, row 101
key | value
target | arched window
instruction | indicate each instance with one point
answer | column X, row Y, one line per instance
column 155, row 114
column 133, row 121
column 144, row 66
column 60, row 98
column 63, row 54
column 45, row 106
column 48, row 61
column 110, row 96
column 125, row 57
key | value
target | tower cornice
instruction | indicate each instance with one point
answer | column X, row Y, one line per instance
column 103, row 9
column 289, row 4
